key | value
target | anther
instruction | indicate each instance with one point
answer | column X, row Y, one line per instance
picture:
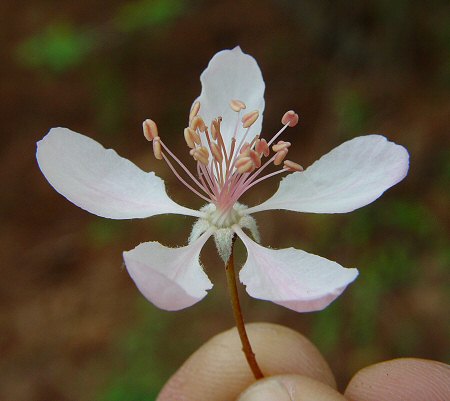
column 237, row 105
column 191, row 137
column 279, row 157
column 150, row 129
column 201, row 155
column 250, row 118
column 292, row 166
column 194, row 111
column 245, row 149
column 256, row 159
column 157, row 148
column 280, row 146
column 290, row 118
column 197, row 123
column 261, row 147
column 188, row 137
column 195, row 137
column 216, row 152
column 215, row 128
column 245, row 165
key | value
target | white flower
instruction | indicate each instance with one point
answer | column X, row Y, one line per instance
column 230, row 158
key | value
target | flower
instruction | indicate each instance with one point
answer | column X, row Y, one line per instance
column 230, row 157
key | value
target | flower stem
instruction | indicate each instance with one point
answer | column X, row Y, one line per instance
column 237, row 312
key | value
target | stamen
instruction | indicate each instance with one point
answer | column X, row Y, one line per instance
column 216, row 152
column 184, row 182
column 215, row 128
column 188, row 137
column 291, row 166
column 194, row 111
column 261, row 147
column 252, row 143
column 290, row 118
column 256, row 159
column 150, row 129
column 279, row 157
column 281, row 145
column 237, row 105
column 245, row 165
column 197, row 123
column 208, row 175
column 247, row 187
column 260, row 170
column 157, row 148
column 249, row 119
column 229, row 173
column 180, row 163
column 245, row 149
column 214, row 178
column 201, row 155
column 287, row 120
column 191, row 137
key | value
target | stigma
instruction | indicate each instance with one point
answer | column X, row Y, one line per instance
column 225, row 171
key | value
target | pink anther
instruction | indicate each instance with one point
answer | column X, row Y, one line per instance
column 290, row 118
column 150, row 129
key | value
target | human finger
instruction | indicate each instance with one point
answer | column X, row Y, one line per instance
column 290, row 388
column 218, row 371
column 401, row 379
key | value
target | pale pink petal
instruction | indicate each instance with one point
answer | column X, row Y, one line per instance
column 99, row 180
column 231, row 75
column 170, row 278
column 349, row 177
column 292, row 278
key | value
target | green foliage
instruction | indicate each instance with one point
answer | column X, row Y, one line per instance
column 102, row 232
column 444, row 178
column 394, row 265
column 130, row 388
column 409, row 216
column 142, row 373
column 385, row 270
column 327, row 327
column 406, row 337
column 148, row 13
column 353, row 111
column 399, row 216
column 110, row 98
column 59, row 47
column 366, row 298
column 360, row 227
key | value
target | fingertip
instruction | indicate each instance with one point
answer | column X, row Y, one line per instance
column 290, row 388
column 401, row 379
column 218, row 371
column 281, row 350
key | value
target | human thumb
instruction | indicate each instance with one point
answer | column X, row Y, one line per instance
column 290, row 388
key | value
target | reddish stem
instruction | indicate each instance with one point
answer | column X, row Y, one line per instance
column 237, row 312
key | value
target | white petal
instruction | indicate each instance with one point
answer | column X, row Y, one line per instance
column 292, row 278
column 231, row 74
column 99, row 180
column 351, row 176
column 170, row 278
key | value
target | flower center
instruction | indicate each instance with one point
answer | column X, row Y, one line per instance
column 223, row 219
column 225, row 171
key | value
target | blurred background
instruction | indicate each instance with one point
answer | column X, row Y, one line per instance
column 72, row 324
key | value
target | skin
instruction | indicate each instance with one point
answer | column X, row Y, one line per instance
column 296, row 371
